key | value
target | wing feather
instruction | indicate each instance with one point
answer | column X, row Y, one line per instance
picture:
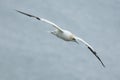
column 41, row 19
column 91, row 49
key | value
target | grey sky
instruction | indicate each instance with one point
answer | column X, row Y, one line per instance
column 29, row 52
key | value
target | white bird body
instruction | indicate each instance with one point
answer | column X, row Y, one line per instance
column 64, row 34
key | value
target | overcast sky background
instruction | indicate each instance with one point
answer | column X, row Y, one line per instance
column 29, row 52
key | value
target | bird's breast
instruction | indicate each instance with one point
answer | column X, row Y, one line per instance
column 65, row 35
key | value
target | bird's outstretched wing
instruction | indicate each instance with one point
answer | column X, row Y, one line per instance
column 91, row 49
column 41, row 19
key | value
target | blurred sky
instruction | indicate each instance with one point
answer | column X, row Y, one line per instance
column 29, row 52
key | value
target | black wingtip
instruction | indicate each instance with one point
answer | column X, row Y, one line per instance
column 18, row 11
column 96, row 56
column 24, row 13
column 103, row 65
column 28, row 14
column 37, row 18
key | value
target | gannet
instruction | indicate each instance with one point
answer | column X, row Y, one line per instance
column 64, row 34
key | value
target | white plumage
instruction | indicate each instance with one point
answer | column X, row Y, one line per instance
column 64, row 34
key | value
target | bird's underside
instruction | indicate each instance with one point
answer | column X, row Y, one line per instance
column 64, row 34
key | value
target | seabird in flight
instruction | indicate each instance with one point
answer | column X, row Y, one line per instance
column 64, row 34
